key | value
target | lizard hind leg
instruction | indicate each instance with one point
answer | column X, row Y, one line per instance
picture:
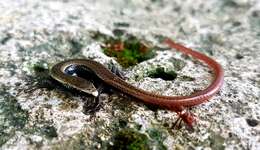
column 185, row 116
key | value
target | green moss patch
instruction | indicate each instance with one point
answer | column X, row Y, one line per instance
column 40, row 67
column 126, row 48
column 129, row 139
column 128, row 53
column 157, row 138
column 161, row 73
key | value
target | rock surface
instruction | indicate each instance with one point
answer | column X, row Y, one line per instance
column 36, row 112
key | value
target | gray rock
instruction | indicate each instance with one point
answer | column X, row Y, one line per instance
column 36, row 112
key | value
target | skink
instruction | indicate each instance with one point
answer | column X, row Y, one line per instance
column 174, row 103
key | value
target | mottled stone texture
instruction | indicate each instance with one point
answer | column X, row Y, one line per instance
column 37, row 112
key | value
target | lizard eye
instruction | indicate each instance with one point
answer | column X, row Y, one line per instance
column 71, row 70
column 80, row 71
